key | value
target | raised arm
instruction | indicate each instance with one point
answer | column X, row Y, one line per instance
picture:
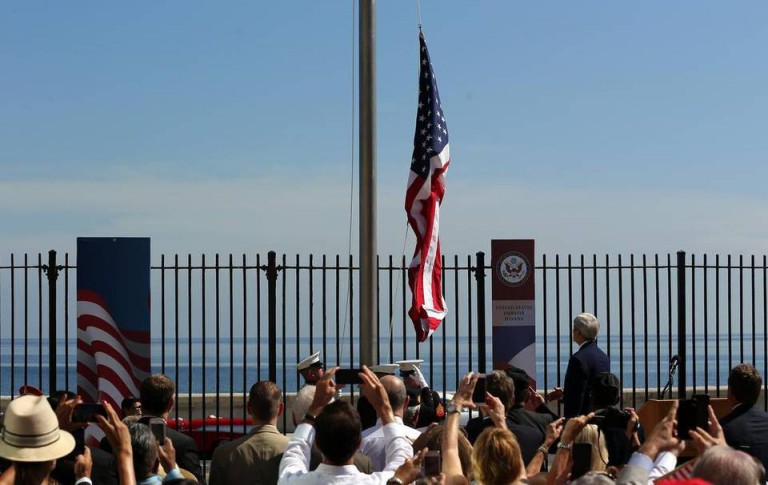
column 450, row 446
column 120, row 440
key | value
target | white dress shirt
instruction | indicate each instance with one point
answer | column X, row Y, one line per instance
column 294, row 467
column 375, row 443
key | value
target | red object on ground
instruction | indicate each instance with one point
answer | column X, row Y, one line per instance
column 210, row 432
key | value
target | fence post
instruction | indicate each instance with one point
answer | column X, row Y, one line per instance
column 681, row 313
column 271, row 270
column 480, row 278
column 52, row 272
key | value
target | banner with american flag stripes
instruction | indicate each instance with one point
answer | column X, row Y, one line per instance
column 113, row 318
column 426, row 188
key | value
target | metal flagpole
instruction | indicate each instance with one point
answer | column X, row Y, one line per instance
column 368, row 271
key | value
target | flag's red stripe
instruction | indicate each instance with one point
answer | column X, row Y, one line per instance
column 110, row 375
column 107, row 349
column 96, row 346
column 86, row 321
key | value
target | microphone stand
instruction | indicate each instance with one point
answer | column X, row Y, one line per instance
column 671, row 381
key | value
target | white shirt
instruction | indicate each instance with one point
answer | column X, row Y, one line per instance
column 375, row 443
column 294, row 467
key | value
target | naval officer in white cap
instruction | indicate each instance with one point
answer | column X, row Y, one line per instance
column 311, row 369
column 431, row 409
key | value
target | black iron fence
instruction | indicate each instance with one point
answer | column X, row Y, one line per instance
column 220, row 323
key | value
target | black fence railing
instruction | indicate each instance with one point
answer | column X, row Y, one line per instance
column 220, row 323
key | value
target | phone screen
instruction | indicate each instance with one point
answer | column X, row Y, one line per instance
column 87, row 412
column 692, row 413
column 157, row 426
column 348, row 376
column 432, row 464
column 582, row 459
column 478, row 395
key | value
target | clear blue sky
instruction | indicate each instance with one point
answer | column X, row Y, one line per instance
column 607, row 127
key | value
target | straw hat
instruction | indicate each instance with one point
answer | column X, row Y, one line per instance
column 31, row 432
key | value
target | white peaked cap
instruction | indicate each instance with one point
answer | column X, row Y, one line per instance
column 312, row 359
column 409, row 365
column 388, row 369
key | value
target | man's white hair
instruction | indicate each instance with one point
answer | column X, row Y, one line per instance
column 587, row 325
column 722, row 464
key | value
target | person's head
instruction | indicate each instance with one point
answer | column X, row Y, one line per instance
column 311, row 368
column 157, row 394
column 265, row 402
column 338, row 432
column 31, row 438
column 605, row 390
column 313, row 373
column 131, row 406
column 722, row 465
column 145, row 454
column 744, row 383
column 585, row 327
column 496, row 457
column 500, row 385
column 522, row 382
column 591, row 434
column 432, row 439
column 408, row 373
column 398, row 398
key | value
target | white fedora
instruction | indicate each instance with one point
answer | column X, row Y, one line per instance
column 31, row 432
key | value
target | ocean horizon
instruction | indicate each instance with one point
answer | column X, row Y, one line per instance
column 637, row 365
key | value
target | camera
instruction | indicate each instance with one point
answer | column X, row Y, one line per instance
column 611, row 418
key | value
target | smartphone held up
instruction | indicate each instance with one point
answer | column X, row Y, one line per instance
column 87, row 412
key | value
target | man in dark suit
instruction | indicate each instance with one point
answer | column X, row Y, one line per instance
column 255, row 457
column 746, row 427
column 519, row 412
column 585, row 364
column 157, row 399
column 499, row 385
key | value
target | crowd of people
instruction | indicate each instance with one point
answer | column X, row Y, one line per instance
column 401, row 433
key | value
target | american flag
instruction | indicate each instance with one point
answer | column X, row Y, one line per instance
column 111, row 361
column 113, row 320
column 426, row 188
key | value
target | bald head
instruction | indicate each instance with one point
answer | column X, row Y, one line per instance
column 396, row 393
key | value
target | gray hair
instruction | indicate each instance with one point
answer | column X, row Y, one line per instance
column 144, row 447
column 723, row 465
column 587, row 325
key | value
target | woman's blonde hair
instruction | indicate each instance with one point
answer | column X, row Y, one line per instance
column 496, row 458
column 591, row 434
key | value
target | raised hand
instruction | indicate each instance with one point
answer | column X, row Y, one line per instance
column 555, row 394
column 463, row 396
column 325, row 390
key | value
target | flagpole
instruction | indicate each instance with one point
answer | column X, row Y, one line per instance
column 368, row 265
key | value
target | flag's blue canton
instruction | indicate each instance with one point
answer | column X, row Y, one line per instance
column 431, row 130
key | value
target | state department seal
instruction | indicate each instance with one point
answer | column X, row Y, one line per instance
column 513, row 269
